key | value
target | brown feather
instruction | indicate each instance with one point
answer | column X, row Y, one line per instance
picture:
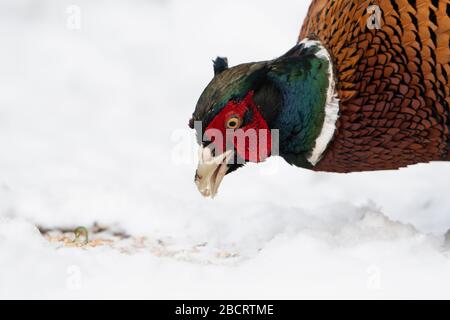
column 393, row 83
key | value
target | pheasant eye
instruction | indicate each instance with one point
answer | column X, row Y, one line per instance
column 233, row 122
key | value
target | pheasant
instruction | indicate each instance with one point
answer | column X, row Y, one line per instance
column 365, row 88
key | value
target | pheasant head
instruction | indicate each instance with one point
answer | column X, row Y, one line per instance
column 252, row 111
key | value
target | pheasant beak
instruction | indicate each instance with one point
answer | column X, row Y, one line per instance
column 210, row 171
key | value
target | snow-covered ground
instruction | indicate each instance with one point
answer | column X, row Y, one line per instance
column 95, row 99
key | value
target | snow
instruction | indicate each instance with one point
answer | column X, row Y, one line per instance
column 93, row 128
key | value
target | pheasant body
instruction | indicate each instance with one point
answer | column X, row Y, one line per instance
column 392, row 82
column 365, row 88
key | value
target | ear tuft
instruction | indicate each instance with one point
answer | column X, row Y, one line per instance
column 220, row 65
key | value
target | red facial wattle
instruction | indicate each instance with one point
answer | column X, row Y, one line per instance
column 252, row 139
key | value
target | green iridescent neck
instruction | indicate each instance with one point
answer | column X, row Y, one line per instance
column 303, row 77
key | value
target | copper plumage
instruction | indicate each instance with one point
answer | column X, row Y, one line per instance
column 392, row 81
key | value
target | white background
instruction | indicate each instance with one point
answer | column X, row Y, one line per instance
column 92, row 117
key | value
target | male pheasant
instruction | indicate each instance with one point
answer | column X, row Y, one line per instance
column 365, row 88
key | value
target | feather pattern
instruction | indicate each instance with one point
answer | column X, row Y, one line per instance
column 392, row 81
